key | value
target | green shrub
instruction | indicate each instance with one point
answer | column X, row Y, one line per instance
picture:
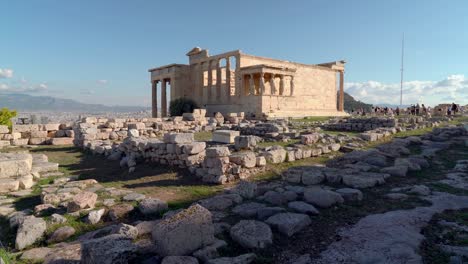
column 6, row 116
column 182, row 105
column 5, row 256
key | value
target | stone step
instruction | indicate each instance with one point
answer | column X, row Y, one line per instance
column 43, row 167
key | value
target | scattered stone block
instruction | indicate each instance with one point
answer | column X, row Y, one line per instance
column 184, row 232
column 289, row 223
column 225, row 136
column 107, row 250
column 29, row 231
column 252, row 234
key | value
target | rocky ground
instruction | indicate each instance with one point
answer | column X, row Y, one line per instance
column 404, row 201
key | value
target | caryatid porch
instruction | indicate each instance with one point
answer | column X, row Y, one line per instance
column 267, row 80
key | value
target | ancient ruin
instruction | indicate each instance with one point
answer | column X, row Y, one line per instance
column 260, row 87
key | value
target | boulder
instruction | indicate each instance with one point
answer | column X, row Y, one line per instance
column 248, row 209
column 184, row 232
column 398, row 171
column 322, row 198
column 252, row 234
column 29, row 231
column 289, row 223
column 120, row 211
column 82, row 200
column 302, row 207
column 152, row 206
column 350, row 194
column 61, row 234
column 95, row 216
column 107, row 250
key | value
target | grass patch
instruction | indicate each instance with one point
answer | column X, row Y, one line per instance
column 437, row 234
column 76, row 222
column 203, row 136
column 442, row 187
column 348, row 133
column 5, row 256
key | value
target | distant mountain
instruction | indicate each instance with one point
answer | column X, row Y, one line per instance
column 392, row 105
column 351, row 104
column 23, row 102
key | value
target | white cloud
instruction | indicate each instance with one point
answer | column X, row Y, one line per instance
column 24, row 88
column 6, row 73
column 454, row 88
column 102, row 81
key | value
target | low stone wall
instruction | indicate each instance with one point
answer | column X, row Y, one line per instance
column 19, row 170
column 91, row 128
column 37, row 134
column 361, row 124
column 270, row 129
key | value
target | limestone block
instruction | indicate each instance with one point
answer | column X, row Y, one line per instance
column 8, row 185
column 4, row 143
column 246, row 159
column 42, row 167
column 38, row 141
column 225, row 136
column 61, row 141
column 82, row 200
column 184, row 232
column 4, row 129
column 51, row 127
column 26, row 182
column 136, row 125
column 214, row 152
column 179, row 138
column 15, row 135
column 19, row 142
column 15, row 164
column 194, row 148
column 90, row 119
column 261, row 161
column 245, row 142
column 275, row 155
column 25, row 128
column 310, row 138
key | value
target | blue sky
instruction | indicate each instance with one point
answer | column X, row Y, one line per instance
column 100, row 51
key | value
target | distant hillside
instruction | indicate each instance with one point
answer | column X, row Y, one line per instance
column 350, row 103
column 23, row 102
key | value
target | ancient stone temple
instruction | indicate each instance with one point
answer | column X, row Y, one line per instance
column 260, row 87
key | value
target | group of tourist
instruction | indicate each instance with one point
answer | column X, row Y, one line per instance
column 414, row 109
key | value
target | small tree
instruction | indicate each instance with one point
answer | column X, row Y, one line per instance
column 6, row 115
column 182, row 105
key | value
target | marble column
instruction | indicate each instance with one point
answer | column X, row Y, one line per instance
column 272, row 84
column 262, row 83
column 228, row 79
column 291, row 84
column 163, row 98
column 218, row 82
column 281, row 88
column 154, row 99
column 210, row 82
column 341, row 105
column 238, row 79
column 251, row 85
